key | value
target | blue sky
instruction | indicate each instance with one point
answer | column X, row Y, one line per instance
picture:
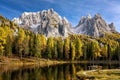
column 73, row 10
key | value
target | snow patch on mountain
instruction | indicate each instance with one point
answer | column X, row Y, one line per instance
column 50, row 23
column 94, row 26
column 47, row 22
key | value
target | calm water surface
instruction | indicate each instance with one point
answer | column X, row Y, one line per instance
column 57, row 72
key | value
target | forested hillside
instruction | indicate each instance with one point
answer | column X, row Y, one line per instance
column 18, row 42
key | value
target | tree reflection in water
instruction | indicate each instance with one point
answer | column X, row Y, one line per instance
column 57, row 72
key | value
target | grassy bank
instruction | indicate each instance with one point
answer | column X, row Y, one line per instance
column 8, row 64
column 28, row 61
column 112, row 74
column 43, row 62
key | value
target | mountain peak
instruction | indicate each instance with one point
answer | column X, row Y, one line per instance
column 26, row 13
column 47, row 22
column 95, row 26
column 89, row 16
column 51, row 10
column 50, row 23
column 112, row 26
column 65, row 19
column 97, row 16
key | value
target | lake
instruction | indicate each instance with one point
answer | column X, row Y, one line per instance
column 56, row 72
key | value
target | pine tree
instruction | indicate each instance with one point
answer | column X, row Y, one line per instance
column 8, row 46
column 60, row 44
column 85, row 52
column 89, row 51
column 72, row 51
column 3, row 37
column 31, row 44
column 26, row 45
column 20, row 40
column 95, row 50
column 50, row 46
column 55, row 52
column 43, row 44
column 78, row 48
column 67, row 48
column 37, row 46
column 104, row 51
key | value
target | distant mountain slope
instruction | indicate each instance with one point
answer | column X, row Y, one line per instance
column 95, row 26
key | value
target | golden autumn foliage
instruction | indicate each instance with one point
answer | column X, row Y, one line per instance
column 17, row 41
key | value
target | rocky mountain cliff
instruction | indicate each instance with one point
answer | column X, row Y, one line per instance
column 47, row 22
column 50, row 23
column 95, row 26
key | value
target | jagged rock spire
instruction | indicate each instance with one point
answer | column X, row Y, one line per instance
column 50, row 23
column 47, row 22
column 95, row 26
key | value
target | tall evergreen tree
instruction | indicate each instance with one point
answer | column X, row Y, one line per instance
column 37, row 46
column 20, row 40
column 3, row 38
column 8, row 46
column 60, row 44
column 50, row 46
column 104, row 51
column 31, row 44
column 26, row 46
column 43, row 44
column 72, row 51
column 95, row 49
column 67, row 48
column 78, row 48
column 55, row 52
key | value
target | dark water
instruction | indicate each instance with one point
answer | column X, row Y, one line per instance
column 57, row 72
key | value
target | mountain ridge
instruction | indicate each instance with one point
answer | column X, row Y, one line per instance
column 47, row 22
column 50, row 23
column 94, row 26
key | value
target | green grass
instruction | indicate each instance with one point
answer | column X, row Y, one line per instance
column 113, row 74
